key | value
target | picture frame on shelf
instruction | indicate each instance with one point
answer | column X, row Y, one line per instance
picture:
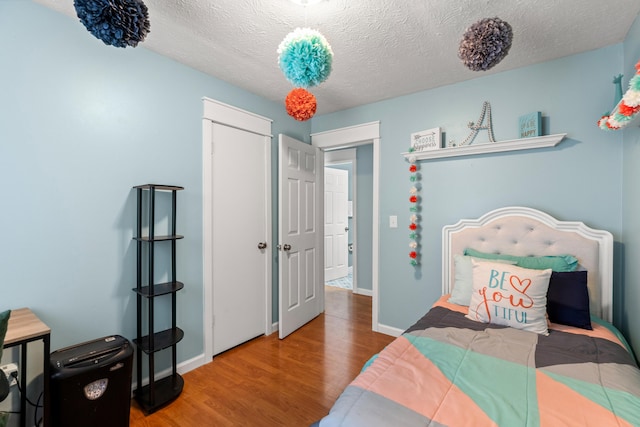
column 427, row 140
column 530, row 125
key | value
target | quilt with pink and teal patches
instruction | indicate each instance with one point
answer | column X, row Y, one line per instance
column 448, row 370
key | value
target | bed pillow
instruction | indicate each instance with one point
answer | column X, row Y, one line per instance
column 555, row 263
column 568, row 299
column 510, row 295
column 461, row 293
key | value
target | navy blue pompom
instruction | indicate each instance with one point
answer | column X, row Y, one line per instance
column 118, row 23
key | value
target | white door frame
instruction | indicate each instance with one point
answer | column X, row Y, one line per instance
column 337, row 157
column 218, row 112
column 352, row 136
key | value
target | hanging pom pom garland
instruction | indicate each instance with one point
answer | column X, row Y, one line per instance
column 118, row 23
column 414, row 209
column 300, row 104
column 628, row 107
column 485, row 44
column 305, row 57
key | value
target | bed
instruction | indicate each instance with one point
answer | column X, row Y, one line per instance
column 521, row 336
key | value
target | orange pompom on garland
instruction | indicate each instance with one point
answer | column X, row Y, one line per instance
column 300, row 104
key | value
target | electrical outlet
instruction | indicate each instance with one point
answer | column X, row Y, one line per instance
column 10, row 370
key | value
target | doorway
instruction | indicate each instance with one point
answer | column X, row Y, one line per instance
column 340, row 221
column 367, row 134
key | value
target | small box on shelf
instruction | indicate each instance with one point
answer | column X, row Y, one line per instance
column 426, row 140
column 530, row 125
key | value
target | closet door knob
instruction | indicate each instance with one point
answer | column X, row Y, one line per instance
column 286, row 247
column 262, row 245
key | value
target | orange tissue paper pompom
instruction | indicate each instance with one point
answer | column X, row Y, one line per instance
column 301, row 104
column 625, row 110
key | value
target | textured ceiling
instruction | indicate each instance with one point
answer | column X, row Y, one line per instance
column 382, row 48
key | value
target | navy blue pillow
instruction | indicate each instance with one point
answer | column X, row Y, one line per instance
column 568, row 299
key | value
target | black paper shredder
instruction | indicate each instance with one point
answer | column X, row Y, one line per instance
column 91, row 383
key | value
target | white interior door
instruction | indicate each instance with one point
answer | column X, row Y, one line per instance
column 336, row 223
column 239, row 187
column 300, row 234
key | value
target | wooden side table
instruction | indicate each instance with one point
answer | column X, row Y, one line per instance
column 25, row 327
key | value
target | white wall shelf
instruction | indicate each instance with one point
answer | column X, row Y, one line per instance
column 490, row 147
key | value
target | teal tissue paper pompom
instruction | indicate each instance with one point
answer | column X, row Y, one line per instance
column 305, row 57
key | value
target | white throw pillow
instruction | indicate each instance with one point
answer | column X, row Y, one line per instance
column 510, row 295
column 463, row 284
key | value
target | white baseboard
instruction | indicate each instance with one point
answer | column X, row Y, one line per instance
column 191, row 364
column 366, row 292
column 389, row 330
column 183, row 368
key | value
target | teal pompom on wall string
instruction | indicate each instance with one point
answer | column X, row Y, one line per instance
column 305, row 57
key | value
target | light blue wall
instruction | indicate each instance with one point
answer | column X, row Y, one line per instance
column 364, row 209
column 630, row 294
column 580, row 179
column 81, row 123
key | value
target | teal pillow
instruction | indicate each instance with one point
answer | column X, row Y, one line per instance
column 560, row 263
column 4, row 322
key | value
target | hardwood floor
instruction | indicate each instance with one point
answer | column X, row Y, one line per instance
column 272, row 382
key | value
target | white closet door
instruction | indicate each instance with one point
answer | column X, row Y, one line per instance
column 239, row 266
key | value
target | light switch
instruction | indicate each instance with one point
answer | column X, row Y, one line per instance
column 393, row 221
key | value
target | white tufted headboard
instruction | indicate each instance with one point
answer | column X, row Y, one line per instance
column 525, row 231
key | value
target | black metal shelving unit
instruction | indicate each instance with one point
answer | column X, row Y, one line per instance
column 158, row 392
